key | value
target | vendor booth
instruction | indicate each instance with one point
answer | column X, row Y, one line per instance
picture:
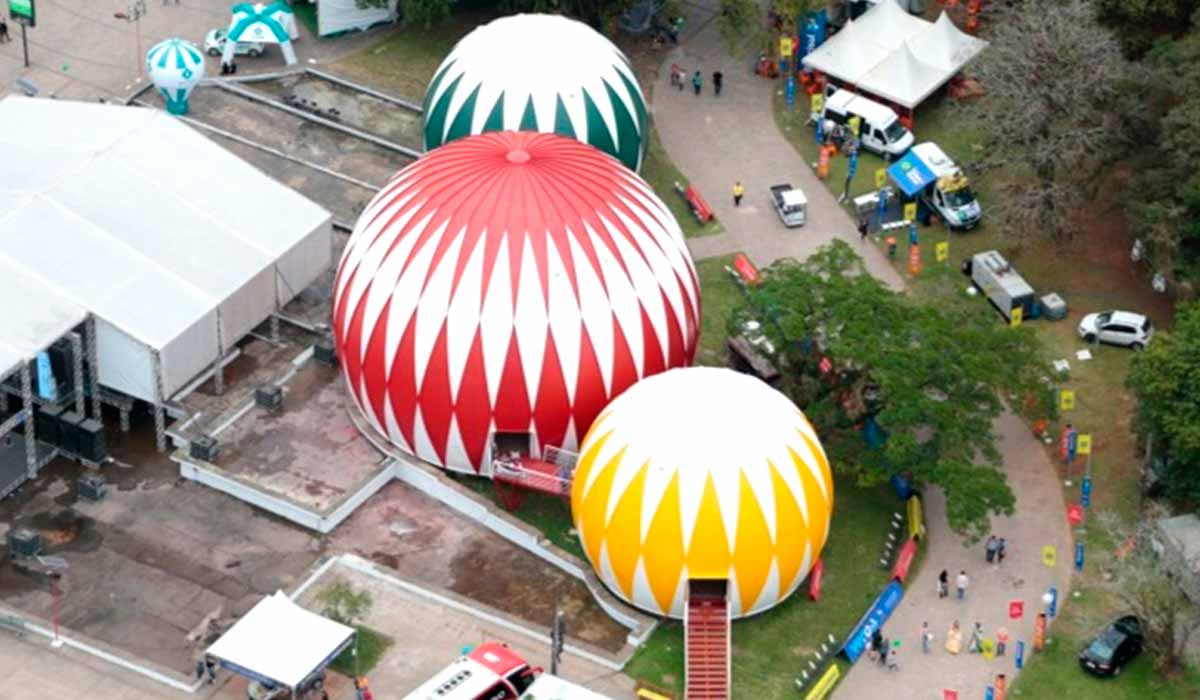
column 280, row 645
column 265, row 24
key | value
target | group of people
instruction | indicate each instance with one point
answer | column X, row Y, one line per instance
column 994, row 549
column 677, row 79
column 954, row 637
column 887, row 654
column 960, row 583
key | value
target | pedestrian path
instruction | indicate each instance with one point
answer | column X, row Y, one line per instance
column 719, row 140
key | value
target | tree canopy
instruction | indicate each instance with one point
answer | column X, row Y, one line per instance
column 930, row 376
column 1166, row 379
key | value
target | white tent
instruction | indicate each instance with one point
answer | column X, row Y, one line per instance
column 335, row 16
column 268, row 24
column 281, row 643
column 895, row 55
column 35, row 316
column 178, row 247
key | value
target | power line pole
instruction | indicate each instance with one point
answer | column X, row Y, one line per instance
column 134, row 13
column 557, row 636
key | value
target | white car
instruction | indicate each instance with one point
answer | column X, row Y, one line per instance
column 215, row 40
column 1117, row 328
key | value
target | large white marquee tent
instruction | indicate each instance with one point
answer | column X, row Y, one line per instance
column 889, row 53
column 176, row 247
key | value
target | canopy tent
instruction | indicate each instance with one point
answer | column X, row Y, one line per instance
column 279, row 643
column 911, row 174
column 337, row 16
column 267, row 24
column 176, row 246
column 892, row 54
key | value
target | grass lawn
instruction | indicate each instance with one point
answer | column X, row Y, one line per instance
column 370, row 648
column 1089, row 281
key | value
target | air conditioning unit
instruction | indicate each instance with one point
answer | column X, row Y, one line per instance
column 92, row 487
column 24, row 543
column 270, row 396
column 325, row 352
column 205, row 448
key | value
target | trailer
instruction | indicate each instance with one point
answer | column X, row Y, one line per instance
column 1000, row 283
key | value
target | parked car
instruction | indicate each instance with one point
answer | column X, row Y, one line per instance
column 1123, row 328
column 1116, row 645
column 214, row 44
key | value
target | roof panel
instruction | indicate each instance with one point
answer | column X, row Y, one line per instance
column 35, row 315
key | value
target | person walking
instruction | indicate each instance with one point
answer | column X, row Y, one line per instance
column 884, row 651
column 943, row 584
column 1001, row 641
column 976, row 644
column 738, row 193
column 990, row 548
column 876, row 646
column 718, row 78
column 1000, row 547
column 893, row 657
column 961, row 583
column 926, row 637
column 862, row 229
column 4, row 37
column 697, row 81
column 954, row 639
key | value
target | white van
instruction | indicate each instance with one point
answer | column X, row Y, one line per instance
column 880, row 130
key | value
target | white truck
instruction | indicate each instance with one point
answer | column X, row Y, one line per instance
column 879, row 129
column 1000, row 283
column 790, row 203
column 928, row 173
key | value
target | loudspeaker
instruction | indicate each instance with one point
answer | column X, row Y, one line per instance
column 69, row 431
column 92, row 445
column 47, row 425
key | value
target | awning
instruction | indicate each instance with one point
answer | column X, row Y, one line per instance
column 910, row 174
column 281, row 643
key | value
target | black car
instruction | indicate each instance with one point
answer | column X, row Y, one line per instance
column 1116, row 645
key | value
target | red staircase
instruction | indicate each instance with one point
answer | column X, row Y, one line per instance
column 706, row 641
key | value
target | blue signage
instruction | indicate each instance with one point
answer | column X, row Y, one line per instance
column 1072, row 438
column 883, row 203
column 1020, row 658
column 791, row 92
column 912, row 233
column 47, row 388
column 876, row 615
column 1052, row 608
column 820, row 131
column 989, row 693
column 1079, row 556
column 853, row 167
column 1086, row 491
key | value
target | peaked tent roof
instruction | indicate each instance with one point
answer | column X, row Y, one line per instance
column 35, row 315
column 895, row 55
column 281, row 642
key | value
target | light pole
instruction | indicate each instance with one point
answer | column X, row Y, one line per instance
column 134, row 13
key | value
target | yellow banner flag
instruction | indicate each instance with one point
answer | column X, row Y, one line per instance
column 785, row 47
column 880, row 178
column 1049, row 555
column 988, row 648
column 1083, row 444
column 825, row 684
column 1066, row 402
column 817, row 102
column 910, row 211
column 943, row 251
column 1016, row 316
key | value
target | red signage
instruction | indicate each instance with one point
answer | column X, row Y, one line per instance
column 904, row 560
column 814, row 580
column 1016, row 609
column 1074, row 513
column 948, row 694
column 745, row 268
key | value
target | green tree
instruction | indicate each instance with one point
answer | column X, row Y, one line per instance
column 740, row 24
column 931, row 376
column 1056, row 84
column 1166, row 379
column 340, row 602
column 422, row 13
column 1138, row 23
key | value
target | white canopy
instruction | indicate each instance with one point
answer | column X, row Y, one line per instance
column 894, row 55
column 35, row 315
column 280, row 642
column 159, row 232
column 334, row 16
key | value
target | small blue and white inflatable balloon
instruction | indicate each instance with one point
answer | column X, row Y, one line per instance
column 175, row 67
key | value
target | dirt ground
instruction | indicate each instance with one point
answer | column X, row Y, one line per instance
column 150, row 563
column 355, row 109
column 418, row 537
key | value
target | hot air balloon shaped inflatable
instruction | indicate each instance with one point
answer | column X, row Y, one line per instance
column 511, row 283
column 175, row 68
column 542, row 73
column 702, row 476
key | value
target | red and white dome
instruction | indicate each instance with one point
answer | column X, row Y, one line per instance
column 511, row 282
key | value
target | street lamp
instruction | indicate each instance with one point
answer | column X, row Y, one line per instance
column 134, row 13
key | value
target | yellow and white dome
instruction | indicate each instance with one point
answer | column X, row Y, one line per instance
column 702, row 473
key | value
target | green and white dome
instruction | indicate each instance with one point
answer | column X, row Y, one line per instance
column 539, row 73
column 175, row 67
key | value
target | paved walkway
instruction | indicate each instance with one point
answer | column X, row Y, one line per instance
column 717, row 140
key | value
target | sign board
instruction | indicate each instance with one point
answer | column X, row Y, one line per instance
column 1074, row 513
column 1016, row 316
column 880, row 177
column 943, row 251
column 915, row 517
column 1020, row 657
column 988, row 648
column 24, row 11
column 1016, row 609
column 745, row 269
column 1079, row 556
column 1066, row 400
column 821, row 688
column 1083, row 444
column 948, row 694
column 1049, row 555
column 1085, row 491
column 786, row 48
column 876, row 615
column 910, row 211
column 855, row 124
column 817, row 103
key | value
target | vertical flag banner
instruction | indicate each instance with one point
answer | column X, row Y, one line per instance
column 1049, row 555
column 1079, row 556
column 817, row 103
column 880, row 178
column 1016, row 316
column 1085, row 492
column 1083, row 444
column 1020, row 657
column 943, row 251
column 910, row 211
column 1066, row 400
column 1016, row 609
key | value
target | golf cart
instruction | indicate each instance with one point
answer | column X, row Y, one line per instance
column 790, row 203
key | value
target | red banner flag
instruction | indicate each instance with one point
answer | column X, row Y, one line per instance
column 1074, row 513
column 1016, row 609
